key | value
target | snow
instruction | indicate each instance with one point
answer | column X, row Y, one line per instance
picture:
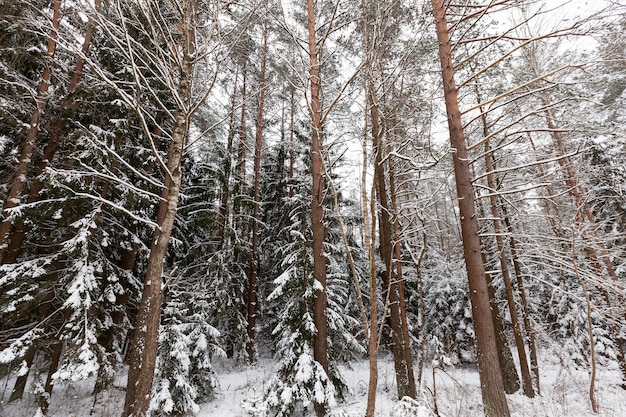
column 564, row 393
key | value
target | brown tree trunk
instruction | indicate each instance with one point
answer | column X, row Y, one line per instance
column 143, row 350
column 20, row 382
column 19, row 232
column 227, row 167
column 252, row 277
column 497, row 227
column 530, row 331
column 28, row 146
column 406, row 340
column 320, row 343
column 390, row 280
column 507, row 364
column 492, row 386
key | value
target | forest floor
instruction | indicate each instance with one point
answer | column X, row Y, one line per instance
column 565, row 393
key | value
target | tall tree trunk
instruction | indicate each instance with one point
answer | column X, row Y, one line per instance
column 227, row 167
column 530, row 331
column 390, row 280
column 492, row 386
column 504, row 267
column 19, row 232
column 599, row 256
column 320, row 343
column 143, row 350
column 252, row 277
column 370, row 238
column 406, row 340
column 28, row 146
column 507, row 364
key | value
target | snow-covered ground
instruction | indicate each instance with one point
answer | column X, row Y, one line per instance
column 565, row 392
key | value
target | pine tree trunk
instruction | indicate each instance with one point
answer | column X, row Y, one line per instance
column 406, row 340
column 517, row 329
column 19, row 232
column 227, row 167
column 28, row 146
column 252, row 277
column 507, row 364
column 20, row 383
column 532, row 345
column 390, row 280
column 143, row 350
column 492, row 386
column 320, row 346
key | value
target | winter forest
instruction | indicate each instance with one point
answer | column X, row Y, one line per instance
column 371, row 204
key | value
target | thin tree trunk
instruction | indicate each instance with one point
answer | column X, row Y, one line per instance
column 369, row 212
column 492, row 386
column 28, row 146
column 320, row 344
column 19, row 232
column 517, row 330
column 507, row 364
column 227, row 166
column 20, row 382
column 406, row 340
column 530, row 331
column 252, row 277
column 143, row 349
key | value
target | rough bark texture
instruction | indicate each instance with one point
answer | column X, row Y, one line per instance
column 28, row 146
column 143, row 351
column 390, row 280
column 504, row 267
column 406, row 340
column 530, row 331
column 252, row 277
column 19, row 232
column 492, row 387
column 320, row 345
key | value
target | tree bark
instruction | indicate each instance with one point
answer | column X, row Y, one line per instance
column 252, row 277
column 143, row 350
column 320, row 343
column 492, row 387
column 530, row 332
column 19, row 231
column 504, row 268
column 28, row 146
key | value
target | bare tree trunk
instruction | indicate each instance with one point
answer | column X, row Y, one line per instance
column 19, row 232
column 28, row 146
column 252, row 277
column 517, row 329
column 492, row 387
column 530, row 332
column 369, row 238
column 507, row 364
column 227, row 166
column 143, row 349
column 320, row 344
column 406, row 339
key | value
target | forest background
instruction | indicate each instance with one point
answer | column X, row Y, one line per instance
column 187, row 180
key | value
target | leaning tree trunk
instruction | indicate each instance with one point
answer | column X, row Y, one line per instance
column 28, row 146
column 143, row 350
column 492, row 387
column 504, row 268
column 16, row 239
